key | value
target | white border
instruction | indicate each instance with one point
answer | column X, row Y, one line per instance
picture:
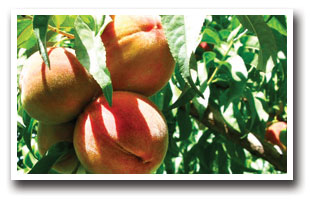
column 288, row 176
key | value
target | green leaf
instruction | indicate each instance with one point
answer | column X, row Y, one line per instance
column 278, row 22
column 91, row 53
column 161, row 169
column 173, row 148
column 29, row 44
column 238, row 69
column 89, row 21
column 193, row 65
column 179, row 78
column 262, row 114
column 185, row 124
column 234, row 92
column 240, row 120
column 281, row 41
column 229, row 116
column 222, row 160
column 202, row 103
column 211, row 37
column 29, row 160
column 69, row 21
column 158, row 99
column 224, row 34
column 99, row 22
column 54, row 154
column 27, row 132
column 268, row 47
column 182, row 33
column 24, row 31
column 283, row 137
column 208, row 57
column 251, row 107
column 233, row 34
column 167, row 96
column 162, row 98
column 40, row 23
column 207, row 157
column 186, row 95
column 237, row 157
column 26, row 117
column 58, row 20
column 250, row 42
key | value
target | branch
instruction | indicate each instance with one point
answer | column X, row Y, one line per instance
column 70, row 36
column 253, row 143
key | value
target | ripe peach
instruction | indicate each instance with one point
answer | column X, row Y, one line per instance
column 137, row 54
column 129, row 137
column 49, row 135
column 205, row 46
column 58, row 94
column 273, row 133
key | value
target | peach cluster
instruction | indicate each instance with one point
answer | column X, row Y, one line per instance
column 131, row 136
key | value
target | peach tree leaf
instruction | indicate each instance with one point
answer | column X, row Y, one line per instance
column 187, row 94
column 29, row 160
column 223, row 160
column 58, row 20
column 267, row 58
column 278, row 22
column 184, row 123
column 40, row 23
column 24, row 31
column 91, row 53
column 182, row 33
column 251, row 107
column 211, row 36
column 100, row 21
column 69, row 21
column 89, row 20
column 202, row 103
column 27, row 132
column 54, row 153
column 228, row 114
column 238, row 69
column 283, row 137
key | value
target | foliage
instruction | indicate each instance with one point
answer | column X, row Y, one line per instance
column 213, row 102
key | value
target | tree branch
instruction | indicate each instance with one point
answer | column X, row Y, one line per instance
column 253, row 143
column 54, row 29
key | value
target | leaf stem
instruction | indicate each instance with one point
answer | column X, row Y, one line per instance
column 212, row 76
column 217, row 68
column 231, row 42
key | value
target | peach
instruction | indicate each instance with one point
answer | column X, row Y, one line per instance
column 273, row 133
column 131, row 136
column 49, row 135
column 137, row 54
column 205, row 46
column 57, row 94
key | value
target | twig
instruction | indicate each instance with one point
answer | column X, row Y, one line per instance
column 70, row 36
column 54, row 29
